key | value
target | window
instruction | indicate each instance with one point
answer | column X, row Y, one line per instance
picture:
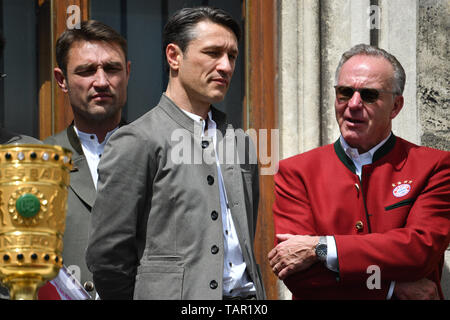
column 19, row 89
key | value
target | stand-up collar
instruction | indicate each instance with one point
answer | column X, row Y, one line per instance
column 75, row 141
column 180, row 117
column 378, row 152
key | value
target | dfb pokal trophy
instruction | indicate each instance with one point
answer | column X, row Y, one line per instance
column 33, row 199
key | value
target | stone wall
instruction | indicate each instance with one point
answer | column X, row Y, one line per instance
column 433, row 72
column 432, row 88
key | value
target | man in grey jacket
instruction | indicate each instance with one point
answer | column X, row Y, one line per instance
column 93, row 71
column 176, row 209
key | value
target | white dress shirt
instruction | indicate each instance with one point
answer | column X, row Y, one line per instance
column 92, row 150
column 359, row 161
column 235, row 279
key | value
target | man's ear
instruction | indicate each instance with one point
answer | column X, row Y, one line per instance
column 60, row 79
column 398, row 105
column 173, row 56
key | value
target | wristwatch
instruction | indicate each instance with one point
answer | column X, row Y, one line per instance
column 321, row 249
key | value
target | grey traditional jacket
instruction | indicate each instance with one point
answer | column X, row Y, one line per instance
column 157, row 215
column 80, row 200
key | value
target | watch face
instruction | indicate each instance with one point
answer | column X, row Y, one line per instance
column 321, row 251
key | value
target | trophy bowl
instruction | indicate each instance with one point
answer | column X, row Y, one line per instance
column 33, row 199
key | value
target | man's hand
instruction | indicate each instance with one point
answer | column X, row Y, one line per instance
column 423, row 289
column 293, row 254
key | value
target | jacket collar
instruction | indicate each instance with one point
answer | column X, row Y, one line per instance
column 75, row 141
column 174, row 112
column 379, row 154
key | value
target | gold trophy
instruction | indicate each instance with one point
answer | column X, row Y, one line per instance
column 33, row 200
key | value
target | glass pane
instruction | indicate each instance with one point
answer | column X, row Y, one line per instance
column 19, row 102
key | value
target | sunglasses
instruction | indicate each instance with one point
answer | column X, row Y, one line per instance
column 368, row 95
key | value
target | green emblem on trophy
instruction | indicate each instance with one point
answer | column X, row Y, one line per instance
column 28, row 205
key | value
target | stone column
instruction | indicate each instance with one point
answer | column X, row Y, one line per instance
column 309, row 89
column 299, row 38
column 288, row 78
column 398, row 36
column 344, row 23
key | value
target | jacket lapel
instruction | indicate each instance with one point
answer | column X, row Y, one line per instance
column 80, row 177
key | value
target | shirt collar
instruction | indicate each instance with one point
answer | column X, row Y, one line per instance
column 91, row 138
column 198, row 119
column 353, row 152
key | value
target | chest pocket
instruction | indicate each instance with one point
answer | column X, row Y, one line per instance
column 400, row 204
column 395, row 215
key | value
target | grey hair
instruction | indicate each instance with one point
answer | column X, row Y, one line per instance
column 368, row 50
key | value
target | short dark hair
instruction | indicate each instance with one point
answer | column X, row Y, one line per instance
column 179, row 27
column 90, row 30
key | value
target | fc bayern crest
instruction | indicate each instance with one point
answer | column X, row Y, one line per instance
column 401, row 190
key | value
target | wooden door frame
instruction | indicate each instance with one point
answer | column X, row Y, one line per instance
column 55, row 113
column 261, row 112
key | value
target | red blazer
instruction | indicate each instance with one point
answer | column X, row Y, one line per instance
column 397, row 218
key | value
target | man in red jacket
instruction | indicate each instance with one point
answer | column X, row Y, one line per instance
column 367, row 217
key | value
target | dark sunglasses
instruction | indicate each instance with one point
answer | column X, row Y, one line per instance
column 368, row 95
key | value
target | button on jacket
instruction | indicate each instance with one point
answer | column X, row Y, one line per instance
column 156, row 224
column 397, row 217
